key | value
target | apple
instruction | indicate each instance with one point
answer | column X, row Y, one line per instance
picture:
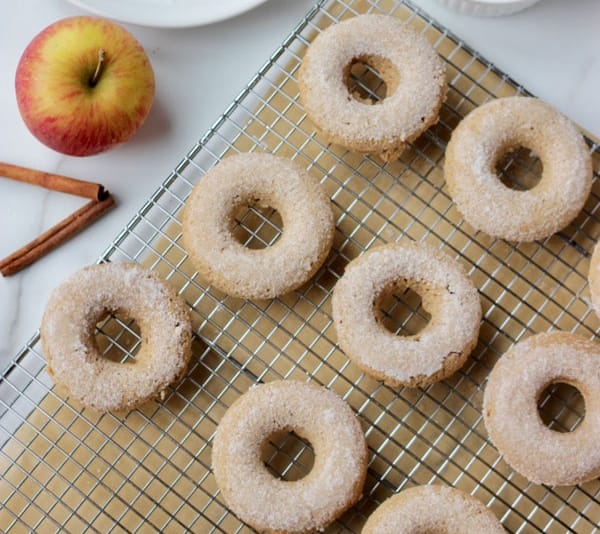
column 84, row 85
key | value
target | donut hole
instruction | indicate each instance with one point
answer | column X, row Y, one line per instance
column 287, row 456
column 519, row 168
column 117, row 337
column 257, row 227
column 371, row 78
column 561, row 407
column 400, row 310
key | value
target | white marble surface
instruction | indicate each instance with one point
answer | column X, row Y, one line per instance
column 553, row 49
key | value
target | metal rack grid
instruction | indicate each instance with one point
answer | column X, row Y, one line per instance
column 63, row 467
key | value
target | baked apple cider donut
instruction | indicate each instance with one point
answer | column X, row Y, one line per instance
column 511, row 416
column 439, row 509
column 495, row 129
column 73, row 358
column 260, row 180
column 446, row 293
column 414, row 74
column 267, row 503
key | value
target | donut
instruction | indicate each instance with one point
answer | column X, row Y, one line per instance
column 314, row 413
column 413, row 72
column 512, row 420
column 446, row 293
column 594, row 279
column 496, row 128
column 267, row 181
column 432, row 509
column 72, row 355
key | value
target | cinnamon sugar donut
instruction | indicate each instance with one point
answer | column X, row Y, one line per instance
column 267, row 181
column 433, row 508
column 72, row 355
column 413, row 72
column 333, row 484
column 510, row 408
column 594, row 279
column 446, row 293
column 496, row 128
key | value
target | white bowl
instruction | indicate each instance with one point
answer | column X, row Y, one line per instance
column 487, row 8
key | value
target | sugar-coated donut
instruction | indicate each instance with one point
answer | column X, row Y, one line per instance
column 496, row 128
column 73, row 358
column 414, row 74
column 267, row 181
column 594, row 279
column 446, row 293
column 316, row 414
column 511, row 416
column 434, row 508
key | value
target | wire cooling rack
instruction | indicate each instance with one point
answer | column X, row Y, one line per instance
column 67, row 468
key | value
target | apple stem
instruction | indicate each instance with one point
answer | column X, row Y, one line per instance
column 100, row 64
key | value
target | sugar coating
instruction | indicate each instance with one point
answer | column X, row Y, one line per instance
column 72, row 355
column 414, row 74
column 332, row 486
column 510, row 408
column 498, row 127
column 594, row 279
column 447, row 294
column 267, row 181
column 432, row 509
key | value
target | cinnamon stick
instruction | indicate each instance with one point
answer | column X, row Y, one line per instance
column 55, row 182
column 56, row 235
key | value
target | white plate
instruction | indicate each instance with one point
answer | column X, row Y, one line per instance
column 488, row 8
column 167, row 13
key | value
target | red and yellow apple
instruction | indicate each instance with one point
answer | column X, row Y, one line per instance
column 84, row 85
